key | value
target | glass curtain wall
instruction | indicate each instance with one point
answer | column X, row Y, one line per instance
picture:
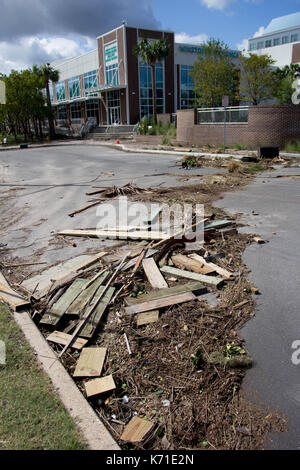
column 146, row 104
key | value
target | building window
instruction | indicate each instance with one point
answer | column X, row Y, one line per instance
column 113, row 99
column 75, row 111
column 146, row 103
column 260, row 45
column 268, row 43
column 111, row 64
column 112, row 75
column 60, row 91
column 294, row 37
column 62, row 112
column 92, row 109
column 90, row 82
column 276, row 42
column 285, row 39
column 51, row 91
column 74, row 88
column 253, row 46
column 187, row 88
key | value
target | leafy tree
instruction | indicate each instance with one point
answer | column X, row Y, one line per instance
column 47, row 74
column 257, row 82
column 215, row 75
column 284, row 79
column 151, row 53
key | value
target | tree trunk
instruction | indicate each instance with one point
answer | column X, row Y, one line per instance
column 154, row 93
column 50, row 118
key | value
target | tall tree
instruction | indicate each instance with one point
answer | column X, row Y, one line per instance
column 215, row 75
column 284, row 79
column 151, row 53
column 257, row 78
column 47, row 74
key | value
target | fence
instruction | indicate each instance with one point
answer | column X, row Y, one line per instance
column 234, row 114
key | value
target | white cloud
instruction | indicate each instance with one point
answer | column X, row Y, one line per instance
column 216, row 4
column 260, row 32
column 243, row 45
column 185, row 38
column 27, row 51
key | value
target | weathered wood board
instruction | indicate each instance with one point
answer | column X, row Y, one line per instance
column 154, row 275
column 160, row 303
column 100, row 386
column 134, row 235
column 137, row 430
column 85, row 297
column 60, row 307
column 90, row 363
column 146, row 318
column 196, row 287
column 11, row 297
column 213, row 281
column 92, row 324
column 62, row 338
column 185, row 262
column 223, row 272
column 90, row 262
column 218, row 224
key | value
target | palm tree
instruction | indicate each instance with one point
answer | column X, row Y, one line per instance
column 150, row 53
column 47, row 74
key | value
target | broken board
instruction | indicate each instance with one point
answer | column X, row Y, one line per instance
column 84, row 298
column 93, row 322
column 100, row 386
column 90, row 363
column 11, row 297
column 62, row 338
column 160, row 303
column 213, row 281
column 134, row 235
column 196, row 287
column 146, row 318
column 223, row 272
column 60, row 307
column 137, row 430
column 185, row 262
column 154, row 275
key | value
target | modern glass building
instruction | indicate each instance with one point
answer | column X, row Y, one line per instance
column 280, row 40
column 113, row 85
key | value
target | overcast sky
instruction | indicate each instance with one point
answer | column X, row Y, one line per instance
column 40, row 31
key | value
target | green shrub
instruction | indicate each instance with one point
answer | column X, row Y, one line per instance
column 293, row 146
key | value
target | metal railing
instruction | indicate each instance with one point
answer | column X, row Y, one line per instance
column 234, row 115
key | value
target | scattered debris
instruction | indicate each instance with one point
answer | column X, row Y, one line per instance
column 100, row 386
column 90, row 363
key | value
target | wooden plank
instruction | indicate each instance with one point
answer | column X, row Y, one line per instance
column 85, row 297
column 62, row 338
column 100, row 386
column 60, row 307
column 223, row 272
column 133, row 261
column 134, row 235
column 160, row 303
column 218, row 224
column 93, row 260
column 137, row 430
column 90, row 311
column 154, row 275
column 90, row 363
column 213, row 281
column 185, row 262
column 147, row 318
column 196, row 287
column 11, row 297
column 93, row 322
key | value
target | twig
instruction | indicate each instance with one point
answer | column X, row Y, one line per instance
column 127, row 344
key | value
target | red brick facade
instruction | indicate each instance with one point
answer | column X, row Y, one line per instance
column 267, row 125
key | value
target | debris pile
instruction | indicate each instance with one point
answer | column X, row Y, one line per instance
column 136, row 330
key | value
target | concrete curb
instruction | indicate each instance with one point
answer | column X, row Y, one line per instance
column 93, row 430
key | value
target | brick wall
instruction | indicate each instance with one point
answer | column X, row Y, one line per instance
column 267, row 125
